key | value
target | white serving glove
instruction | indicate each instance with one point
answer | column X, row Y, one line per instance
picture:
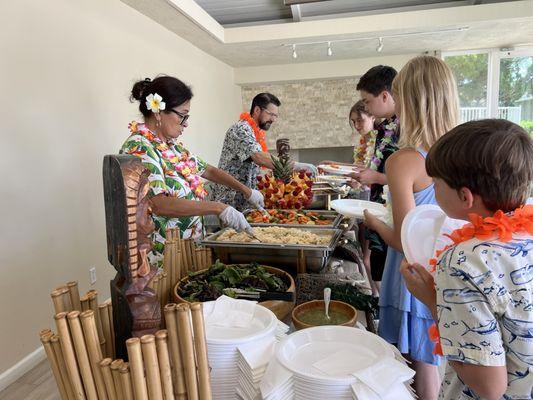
column 234, row 219
column 298, row 166
column 257, row 200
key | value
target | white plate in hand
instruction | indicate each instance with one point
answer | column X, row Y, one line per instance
column 334, row 169
column 355, row 208
column 422, row 233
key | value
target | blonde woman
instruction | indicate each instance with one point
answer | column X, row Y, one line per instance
column 426, row 100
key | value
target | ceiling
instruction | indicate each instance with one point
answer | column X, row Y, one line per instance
column 250, row 12
column 245, row 41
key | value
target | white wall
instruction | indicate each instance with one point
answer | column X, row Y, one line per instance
column 316, row 70
column 66, row 69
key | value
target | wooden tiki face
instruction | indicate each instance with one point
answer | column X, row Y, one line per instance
column 128, row 215
column 129, row 224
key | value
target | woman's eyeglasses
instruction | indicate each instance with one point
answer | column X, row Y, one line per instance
column 184, row 117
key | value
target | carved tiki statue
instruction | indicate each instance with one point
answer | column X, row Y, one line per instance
column 136, row 309
column 283, row 147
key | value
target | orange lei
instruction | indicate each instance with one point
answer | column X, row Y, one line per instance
column 500, row 226
column 258, row 133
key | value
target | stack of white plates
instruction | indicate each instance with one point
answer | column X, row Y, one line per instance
column 323, row 359
column 222, row 343
column 253, row 360
column 284, row 392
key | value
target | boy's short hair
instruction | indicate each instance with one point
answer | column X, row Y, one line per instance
column 377, row 79
column 491, row 157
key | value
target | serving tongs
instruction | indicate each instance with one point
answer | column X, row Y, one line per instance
column 262, row 295
column 250, row 232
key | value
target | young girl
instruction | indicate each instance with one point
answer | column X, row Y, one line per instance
column 362, row 122
column 425, row 94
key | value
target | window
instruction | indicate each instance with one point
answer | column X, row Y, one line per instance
column 494, row 84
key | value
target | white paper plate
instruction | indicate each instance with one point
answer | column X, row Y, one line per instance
column 422, row 233
column 299, row 351
column 355, row 208
column 263, row 323
column 337, row 169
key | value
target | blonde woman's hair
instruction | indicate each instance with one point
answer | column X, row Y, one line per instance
column 426, row 92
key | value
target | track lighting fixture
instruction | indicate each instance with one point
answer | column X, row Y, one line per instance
column 380, row 45
column 380, row 39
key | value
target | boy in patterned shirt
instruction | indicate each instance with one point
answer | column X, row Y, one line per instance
column 482, row 293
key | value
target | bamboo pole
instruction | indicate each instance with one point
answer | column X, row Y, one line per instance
column 93, row 305
column 108, row 379
column 173, row 341
column 112, row 327
column 115, row 371
column 57, row 300
column 94, row 351
column 81, row 355
column 199, row 262
column 190, row 254
column 104, row 318
column 166, row 290
column 56, row 346
column 74, row 295
column 151, row 364
column 200, row 347
column 184, row 260
column 174, row 254
column 163, row 357
column 125, row 379
column 54, row 365
column 65, row 295
column 137, row 369
column 187, row 349
column 84, row 301
column 69, row 355
column 166, row 252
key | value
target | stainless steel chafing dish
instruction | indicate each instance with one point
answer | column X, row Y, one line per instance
column 335, row 217
column 302, row 257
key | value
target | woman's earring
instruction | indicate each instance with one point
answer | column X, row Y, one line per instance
column 158, row 123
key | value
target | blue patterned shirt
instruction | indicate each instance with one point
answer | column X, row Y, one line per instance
column 485, row 312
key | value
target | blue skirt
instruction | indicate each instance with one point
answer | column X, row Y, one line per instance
column 403, row 320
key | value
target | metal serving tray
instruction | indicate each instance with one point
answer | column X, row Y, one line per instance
column 298, row 257
column 336, row 219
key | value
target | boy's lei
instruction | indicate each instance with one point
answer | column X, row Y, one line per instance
column 390, row 131
column 500, row 226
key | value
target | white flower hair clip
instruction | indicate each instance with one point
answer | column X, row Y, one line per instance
column 155, row 103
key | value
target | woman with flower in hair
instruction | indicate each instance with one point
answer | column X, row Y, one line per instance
column 177, row 176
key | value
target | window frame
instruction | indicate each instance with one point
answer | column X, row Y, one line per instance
column 494, row 57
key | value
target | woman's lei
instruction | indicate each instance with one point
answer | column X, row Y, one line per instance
column 185, row 165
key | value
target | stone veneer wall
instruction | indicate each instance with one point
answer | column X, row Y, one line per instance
column 313, row 113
